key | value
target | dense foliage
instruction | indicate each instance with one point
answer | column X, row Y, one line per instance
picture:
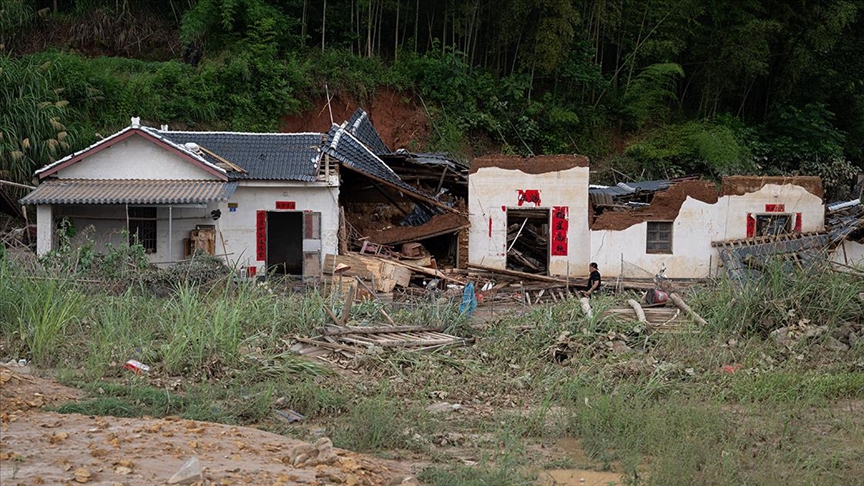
column 657, row 88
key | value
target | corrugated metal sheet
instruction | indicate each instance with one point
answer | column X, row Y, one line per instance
column 264, row 156
column 112, row 191
column 626, row 188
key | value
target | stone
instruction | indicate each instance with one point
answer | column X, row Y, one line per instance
column 833, row 344
column 781, row 335
column 620, row 347
column 188, row 474
column 440, row 407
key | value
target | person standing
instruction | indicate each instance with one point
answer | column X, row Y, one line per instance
column 594, row 280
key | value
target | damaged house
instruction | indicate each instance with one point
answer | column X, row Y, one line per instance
column 686, row 223
column 540, row 215
column 263, row 201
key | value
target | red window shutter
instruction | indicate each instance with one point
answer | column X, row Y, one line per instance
column 751, row 225
column 797, row 222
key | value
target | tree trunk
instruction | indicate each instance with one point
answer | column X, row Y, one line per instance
column 396, row 35
column 323, row 25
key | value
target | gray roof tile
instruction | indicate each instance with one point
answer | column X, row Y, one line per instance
column 264, row 156
column 342, row 145
column 362, row 128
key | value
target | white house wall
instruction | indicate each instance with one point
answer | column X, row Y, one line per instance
column 134, row 158
column 493, row 190
column 239, row 227
column 849, row 253
column 105, row 225
column 698, row 225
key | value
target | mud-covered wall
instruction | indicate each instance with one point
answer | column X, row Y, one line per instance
column 696, row 226
column 493, row 190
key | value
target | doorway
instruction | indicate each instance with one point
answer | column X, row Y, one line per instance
column 285, row 242
column 528, row 240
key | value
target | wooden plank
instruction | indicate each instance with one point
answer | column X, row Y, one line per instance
column 427, row 271
column 384, row 274
column 323, row 344
column 377, row 330
column 514, row 273
column 346, row 309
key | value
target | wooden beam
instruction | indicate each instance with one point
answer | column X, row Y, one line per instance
column 346, row 309
column 640, row 313
column 686, row 308
column 427, row 271
column 414, row 195
column 514, row 273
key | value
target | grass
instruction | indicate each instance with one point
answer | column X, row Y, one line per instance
column 663, row 413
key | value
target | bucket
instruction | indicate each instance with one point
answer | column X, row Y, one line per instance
column 655, row 296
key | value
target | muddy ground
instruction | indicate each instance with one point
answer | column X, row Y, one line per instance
column 40, row 447
column 44, row 447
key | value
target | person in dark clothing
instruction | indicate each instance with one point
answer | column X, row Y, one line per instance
column 593, row 279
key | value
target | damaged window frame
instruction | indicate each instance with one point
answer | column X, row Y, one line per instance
column 765, row 222
column 651, row 237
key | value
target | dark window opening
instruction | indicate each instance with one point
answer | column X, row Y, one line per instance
column 773, row 224
column 659, row 237
column 142, row 228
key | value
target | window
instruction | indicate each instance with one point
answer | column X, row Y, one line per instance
column 142, row 228
column 659, row 238
column 773, row 224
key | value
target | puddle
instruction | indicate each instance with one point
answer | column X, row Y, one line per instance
column 572, row 449
column 580, row 477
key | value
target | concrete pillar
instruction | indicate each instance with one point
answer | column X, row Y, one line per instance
column 45, row 233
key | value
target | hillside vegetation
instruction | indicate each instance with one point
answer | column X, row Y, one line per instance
column 649, row 89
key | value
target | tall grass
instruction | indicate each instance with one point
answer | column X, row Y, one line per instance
column 782, row 296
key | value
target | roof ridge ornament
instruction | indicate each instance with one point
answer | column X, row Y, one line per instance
column 136, row 122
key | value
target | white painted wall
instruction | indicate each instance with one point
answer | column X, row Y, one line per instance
column 491, row 190
column 105, row 226
column 135, row 158
column 44, row 229
column 238, row 228
column 698, row 225
column 849, row 253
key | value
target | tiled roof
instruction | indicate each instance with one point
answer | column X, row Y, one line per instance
column 264, row 156
column 137, row 191
column 353, row 154
column 362, row 128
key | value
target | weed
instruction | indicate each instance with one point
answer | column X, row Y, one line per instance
column 375, row 424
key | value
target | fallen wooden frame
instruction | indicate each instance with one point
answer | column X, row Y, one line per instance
column 354, row 340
